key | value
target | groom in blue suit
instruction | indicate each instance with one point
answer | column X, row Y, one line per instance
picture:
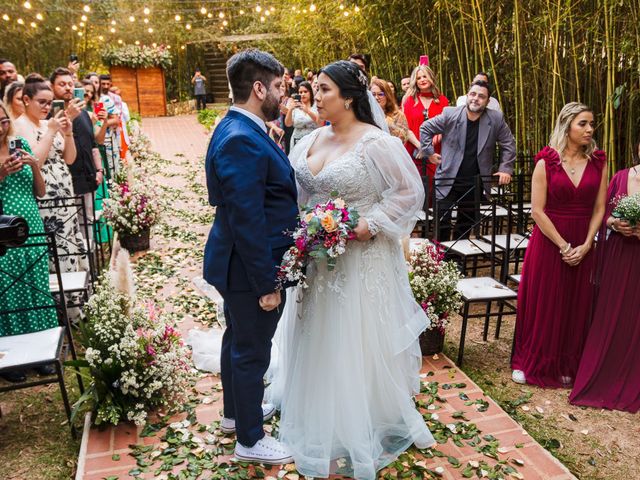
column 252, row 185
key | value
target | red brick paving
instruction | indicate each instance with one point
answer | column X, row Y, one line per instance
column 96, row 461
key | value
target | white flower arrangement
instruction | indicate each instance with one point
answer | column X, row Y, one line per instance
column 131, row 208
column 433, row 283
column 136, row 358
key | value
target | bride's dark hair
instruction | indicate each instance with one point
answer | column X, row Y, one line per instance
column 353, row 83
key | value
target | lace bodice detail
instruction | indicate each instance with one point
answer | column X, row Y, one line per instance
column 346, row 175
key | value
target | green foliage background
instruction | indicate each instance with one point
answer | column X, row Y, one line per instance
column 541, row 54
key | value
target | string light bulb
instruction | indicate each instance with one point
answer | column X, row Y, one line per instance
column 137, row 42
column 146, row 11
column 241, row 12
column 5, row 17
column 79, row 34
column 267, row 13
column 86, row 8
column 120, row 41
column 39, row 16
column 20, row 21
column 27, row 5
column 57, row 29
column 273, row 9
column 150, row 30
column 312, row 8
column 203, row 11
column 100, row 37
column 188, row 26
column 262, row 19
column 33, row 24
column 356, row 9
column 341, row 7
column 258, row 8
column 146, row 20
column 346, row 14
column 178, row 18
column 221, row 15
column 84, row 18
column 132, row 18
column 182, row 47
column 113, row 22
column 112, row 30
column 209, row 15
column 74, row 27
column 225, row 23
column 81, row 24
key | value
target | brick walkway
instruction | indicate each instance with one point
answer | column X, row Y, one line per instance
column 183, row 135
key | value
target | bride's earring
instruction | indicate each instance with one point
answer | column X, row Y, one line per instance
column 347, row 104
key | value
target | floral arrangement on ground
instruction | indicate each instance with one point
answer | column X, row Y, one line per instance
column 131, row 208
column 433, row 283
column 136, row 358
column 136, row 56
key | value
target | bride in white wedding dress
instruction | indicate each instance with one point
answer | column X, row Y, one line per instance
column 349, row 358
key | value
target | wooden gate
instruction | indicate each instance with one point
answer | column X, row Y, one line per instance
column 142, row 88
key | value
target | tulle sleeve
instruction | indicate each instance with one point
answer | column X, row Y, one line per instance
column 398, row 182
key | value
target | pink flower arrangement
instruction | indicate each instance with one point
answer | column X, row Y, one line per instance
column 130, row 209
column 322, row 233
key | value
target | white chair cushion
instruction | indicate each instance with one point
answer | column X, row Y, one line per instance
column 484, row 288
column 468, row 248
column 71, row 281
column 43, row 346
column 516, row 242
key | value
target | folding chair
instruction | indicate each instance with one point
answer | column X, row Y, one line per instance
column 47, row 347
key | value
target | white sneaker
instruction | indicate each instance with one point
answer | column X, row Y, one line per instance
column 228, row 425
column 518, row 377
column 267, row 450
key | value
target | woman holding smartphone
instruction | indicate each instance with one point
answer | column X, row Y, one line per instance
column 55, row 150
column 302, row 114
column 20, row 182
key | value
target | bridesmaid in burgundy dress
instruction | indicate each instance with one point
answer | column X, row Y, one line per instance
column 555, row 296
column 609, row 373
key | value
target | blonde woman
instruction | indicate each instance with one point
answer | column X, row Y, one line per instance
column 568, row 190
column 422, row 102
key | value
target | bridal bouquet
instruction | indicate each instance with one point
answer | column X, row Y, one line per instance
column 433, row 283
column 627, row 208
column 322, row 234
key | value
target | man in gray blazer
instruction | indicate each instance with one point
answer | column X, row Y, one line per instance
column 469, row 137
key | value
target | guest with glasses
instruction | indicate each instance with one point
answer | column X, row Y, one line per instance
column 397, row 122
column 423, row 101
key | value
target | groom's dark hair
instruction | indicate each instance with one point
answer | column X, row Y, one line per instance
column 247, row 67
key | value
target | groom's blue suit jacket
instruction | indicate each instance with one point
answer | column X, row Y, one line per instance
column 252, row 185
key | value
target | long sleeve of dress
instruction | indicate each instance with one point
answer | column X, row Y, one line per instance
column 399, row 184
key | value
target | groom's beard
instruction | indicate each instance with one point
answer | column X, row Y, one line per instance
column 270, row 107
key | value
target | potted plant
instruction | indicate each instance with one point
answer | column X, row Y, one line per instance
column 136, row 358
column 433, row 283
column 131, row 210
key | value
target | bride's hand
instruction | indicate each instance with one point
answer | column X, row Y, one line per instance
column 362, row 230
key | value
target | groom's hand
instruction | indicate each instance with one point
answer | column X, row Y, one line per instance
column 270, row 301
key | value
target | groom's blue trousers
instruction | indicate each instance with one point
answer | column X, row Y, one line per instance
column 245, row 357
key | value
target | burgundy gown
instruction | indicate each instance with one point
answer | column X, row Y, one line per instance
column 555, row 299
column 609, row 373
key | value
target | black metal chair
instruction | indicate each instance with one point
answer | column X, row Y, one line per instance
column 44, row 348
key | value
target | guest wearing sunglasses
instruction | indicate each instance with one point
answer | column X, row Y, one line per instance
column 397, row 122
column 422, row 102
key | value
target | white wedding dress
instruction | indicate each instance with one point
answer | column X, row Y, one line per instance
column 348, row 353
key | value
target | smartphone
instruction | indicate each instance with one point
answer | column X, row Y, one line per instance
column 16, row 144
column 73, row 57
column 424, row 60
column 56, row 106
column 297, row 97
column 98, row 107
column 78, row 93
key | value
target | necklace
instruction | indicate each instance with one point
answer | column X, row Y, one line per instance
column 572, row 169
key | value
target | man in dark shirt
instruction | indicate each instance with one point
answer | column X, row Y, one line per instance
column 469, row 137
column 86, row 171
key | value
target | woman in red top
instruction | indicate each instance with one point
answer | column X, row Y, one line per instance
column 422, row 102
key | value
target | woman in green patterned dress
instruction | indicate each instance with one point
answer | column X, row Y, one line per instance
column 20, row 181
